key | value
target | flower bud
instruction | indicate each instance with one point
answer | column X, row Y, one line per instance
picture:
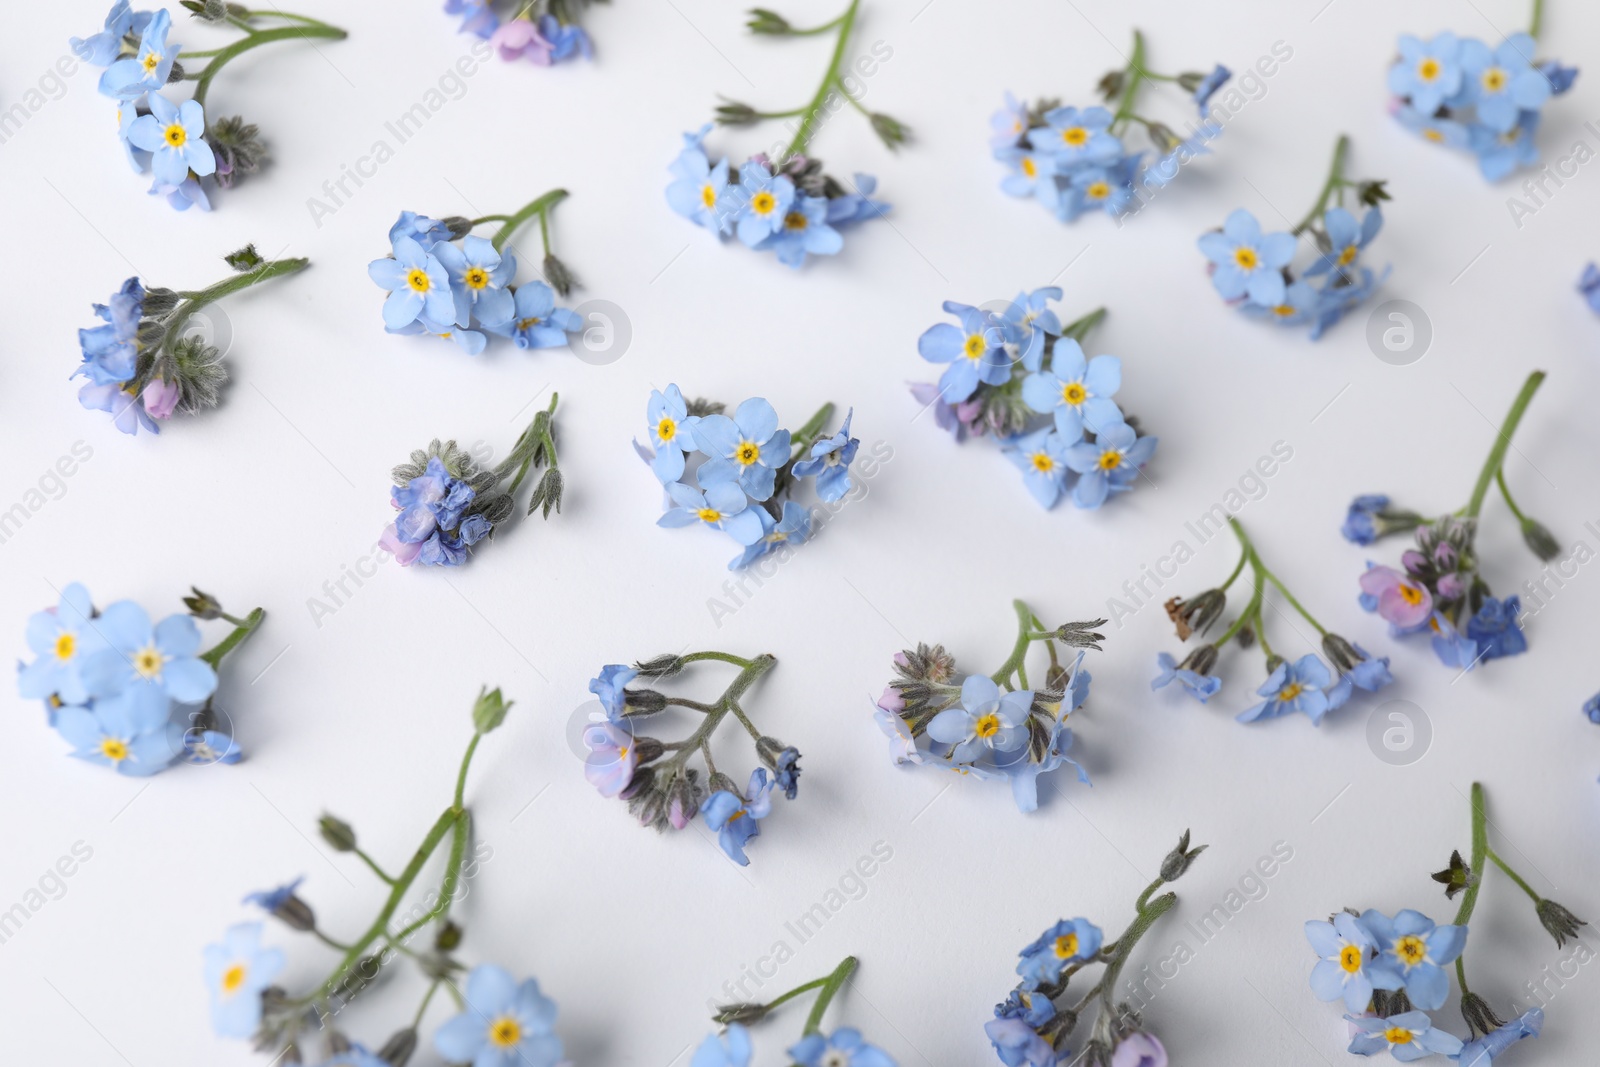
column 767, row 22
column 739, row 1013
column 559, row 275
column 202, row 605
column 547, row 494
column 1540, row 540
column 648, row 749
column 660, row 667
column 1558, row 922
column 1480, row 1018
column 448, row 937
column 398, row 1049
column 1341, row 653
column 489, row 711
column 337, row 833
column 1202, row 660
column 642, row 779
column 1196, row 615
column 890, row 130
column 642, row 701
column 1178, row 860
column 683, row 801
column 458, row 225
column 1080, row 634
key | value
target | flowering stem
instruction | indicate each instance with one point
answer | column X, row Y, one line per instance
column 540, row 207
column 241, row 630
column 751, row 669
column 807, row 434
column 1505, row 491
column 1078, row 329
column 529, row 442
column 1133, row 75
column 1148, row 911
column 1244, row 557
column 831, row 984
column 1515, row 877
column 372, row 863
column 1537, row 20
column 1480, row 848
column 255, row 39
column 1335, row 180
column 1497, row 454
column 1019, row 651
column 725, row 657
column 813, row 110
column 194, row 300
column 1273, row 578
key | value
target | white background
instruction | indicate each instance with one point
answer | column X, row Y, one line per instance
column 364, row 715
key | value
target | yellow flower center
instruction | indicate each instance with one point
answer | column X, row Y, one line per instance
column 233, row 978
column 147, row 662
column 708, row 195
column 1029, row 167
column 709, row 515
column 1110, row 460
column 1283, row 311
column 1494, row 79
column 747, row 452
column 66, row 645
column 1397, row 1035
column 524, row 324
column 476, row 277
column 1433, row 135
column 1348, row 256
column 1411, row 594
column 1076, row 136
column 417, row 280
column 1097, row 191
column 987, row 725
column 1428, row 69
column 113, row 749
column 1246, row 258
column 975, row 346
column 1074, row 393
column 505, row 1032
column 763, row 203
column 794, row 221
column 151, row 62
column 1350, row 959
column 1411, row 949
column 1290, row 691
column 667, row 428
column 175, row 136
column 1043, row 463
column 1066, row 946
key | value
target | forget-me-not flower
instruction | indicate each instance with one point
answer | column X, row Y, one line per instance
column 147, row 70
column 127, row 732
column 985, row 720
column 1348, row 237
column 176, row 138
column 732, row 1049
column 1406, row 1037
column 1501, row 82
column 697, row 189
column 1428, row 72
column 1068, row 941
column 830, row 461
column 1077, row 391
column 746, row 449
column 155, row 663
column 505, row 1024
column 1201, row 686
column 842, row 1048
column 758, row 204
column 1077, row 137
column 1298, row 686
column 1418, row 951
column 62, row 639
column 671, row 432
column 1110, row 464
column 975, row 351
column 735, row 817
column 722, row 505
column 479, row 274
column 1041, row 456
column 1246, row 261
column 417, row 284
column 536, row 322
column 236, row 971
column 1348, row 968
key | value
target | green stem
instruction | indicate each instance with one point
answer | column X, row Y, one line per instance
column 1480, row 849
column 803, row 135
column 373, row 864
column 241, row 630
column 1537, row 21
column 529, row 442
column 1019, row 651
column 197, row 299
column 537, row 207
column 330, row 942
column 815, row 30
column 833, row 982
column 1244, row 557
column 806, row 436
column 726, row 704
column 422, row 1008
column 795, row 992
column 1497, row 454
column 1335, row 180
column 1284, row 590
column 1505, row 491
column 1079, row 328
column 724, row 657
column 256, row 39
column 1515, row 877
column 1133, row 76
column 1146, row 918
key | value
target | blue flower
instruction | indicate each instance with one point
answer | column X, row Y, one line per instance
column 1024, row 773
column 417, row 284
column 730, row 1050
column 1428, row 73
column 1007, row 125
column 1418, row 951
column 1453, row 648
column 566, row 41
column 1201, row 686
column 63, row 638
column 1501, row 153
column 1163, row 171
column 138, row 158
column 1591, row 708
column 271, row 900
column 181, row 197
column 1018, row 1043
column 477, row 16
column 842, row 1048
column 1033, row 174
column 148, row 69
column 1369, row 675
column 205, row 747
column 1041, row 456
column 830, row 461
column 1108, row 465
column 697, row 191
column 505, row 1024
column 758, row 204
column 127, row 732
column 152, row 663
column 1559, row 77
column 1077, row 391
column 1348, row 967
column 479, row 274
column 1434, row 129
column 805, row 231
column 1290, row 687
column 176, row 137
column 1030, row 318
column 1246, row 261
column 1360, row 522
column 857, row 206
column 1077, row 137
column 111, row 351
column 236, row 972
column 126, row 407
column 1301, row 303
column 735, row 817
column 1107, row 189
column 1589, row 286
column 794, row 528
column 975, row 351
column 433, row 515
column 1068, row 941
column 536, row 322
column 1501, row 82
column 426, row 231
column 1335, row 300
column 469, row 341
column 722, row 506
column 611, row 687
column 1496, row 630
column 1481, row 1053
column 747, row 449
column 1409, row 1036
column 985, row 720
column 1208, row 87
column 104, row 47
column 671, row 432
column 1347, row 238
column 786, row 772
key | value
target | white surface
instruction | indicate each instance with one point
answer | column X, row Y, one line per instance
column 264, row 500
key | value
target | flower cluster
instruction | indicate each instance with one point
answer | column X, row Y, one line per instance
column 127, row 693
column 1254, row 271
column 1462, row 93
column 1015, row 371
column 1437, row 589
column 1033, row 1025
column 142, row 364
column 173, row 141
column 1076, row 160
column 739, row 474
column 500, row 1022
column 441, row 279
column 544, row 32
column 447, row 503
column 781, row 200
column 1305, row 685
column 654, row 777
column 994, row 725
column 845, row 1047
column 1391, row 971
